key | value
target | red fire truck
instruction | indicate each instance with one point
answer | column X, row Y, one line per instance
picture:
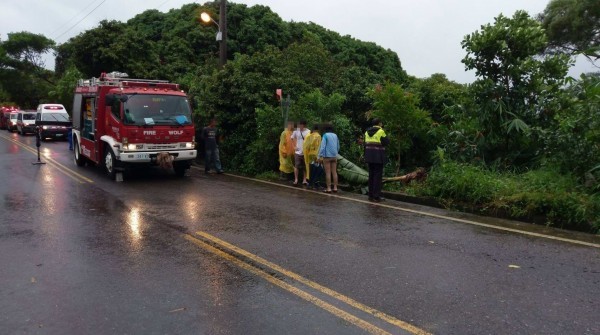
column 120, row 123
column 5, row 120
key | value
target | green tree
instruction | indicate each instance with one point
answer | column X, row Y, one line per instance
column 23, row 77
column 92, row 51
column 23, row 51
column 252, row 29
column 113, row 46
column 573, row 144
column 65, row 86
column 263, row 151
column 250, row 81
column 349, row 51
column 573, row 26
column 309, row 62
column 316, row 107
column 353, row 82
column 404, row 121
column 514, row 83
column 437, row 93
column 234, row 93
column 455, row 128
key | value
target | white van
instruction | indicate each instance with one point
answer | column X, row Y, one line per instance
column 54, row 121
column 26, row 122
column 51, row 108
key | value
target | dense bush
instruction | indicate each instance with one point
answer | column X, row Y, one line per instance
column 573, row 143
column 464, row 183
column 547, row 193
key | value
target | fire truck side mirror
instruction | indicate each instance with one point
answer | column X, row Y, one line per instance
column 109, row 100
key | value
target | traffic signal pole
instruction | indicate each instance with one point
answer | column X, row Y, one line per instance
column 38, row 144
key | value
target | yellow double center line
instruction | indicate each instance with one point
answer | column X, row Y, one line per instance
column 232, row 254
column 52, row 162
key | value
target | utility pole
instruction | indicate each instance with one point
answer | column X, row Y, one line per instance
column 286, row 104
column 223, row 26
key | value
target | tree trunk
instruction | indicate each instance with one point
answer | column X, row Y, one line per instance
column 506, row 145
column 398, row 163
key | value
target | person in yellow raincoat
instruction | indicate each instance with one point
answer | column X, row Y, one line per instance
column 311, row 151
column 286, row 149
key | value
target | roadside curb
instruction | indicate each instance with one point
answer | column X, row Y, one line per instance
column 498, row 213
column 431, row 202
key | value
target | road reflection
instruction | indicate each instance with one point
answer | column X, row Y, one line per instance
column 134, row 222
column 193, row 207
column 49, row 194
column 13, row 149
column 48, row 178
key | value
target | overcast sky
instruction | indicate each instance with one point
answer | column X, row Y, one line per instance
column 426, row 34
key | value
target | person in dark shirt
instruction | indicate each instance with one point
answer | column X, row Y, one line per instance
column 210, row 136
column 375, row 142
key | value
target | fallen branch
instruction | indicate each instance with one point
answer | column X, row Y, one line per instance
column 358, row 176
column 419, row 175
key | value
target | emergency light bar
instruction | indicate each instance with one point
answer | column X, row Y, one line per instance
column 118, row 82
column 114, row 75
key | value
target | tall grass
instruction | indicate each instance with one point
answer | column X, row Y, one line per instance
column 557, row 197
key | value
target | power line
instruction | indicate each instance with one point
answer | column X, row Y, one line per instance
column 72, row 18
column 162, row 4
column 78, row 22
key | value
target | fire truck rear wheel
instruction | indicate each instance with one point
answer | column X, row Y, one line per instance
column 110, row 163
column 79, row 160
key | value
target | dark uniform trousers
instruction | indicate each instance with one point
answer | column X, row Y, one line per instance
column 375, row 180
column 375, row 143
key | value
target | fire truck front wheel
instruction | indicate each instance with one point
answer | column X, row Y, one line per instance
column 110, row 163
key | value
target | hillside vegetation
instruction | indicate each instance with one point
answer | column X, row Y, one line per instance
column 522, row 137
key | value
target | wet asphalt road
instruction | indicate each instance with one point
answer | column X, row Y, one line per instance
column 80, row 254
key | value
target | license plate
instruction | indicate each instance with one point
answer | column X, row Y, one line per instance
column 142, row 156
column 59, row 135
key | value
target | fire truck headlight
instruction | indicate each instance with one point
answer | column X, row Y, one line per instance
column 189, row 145
column 44, row 127
column 131, row 146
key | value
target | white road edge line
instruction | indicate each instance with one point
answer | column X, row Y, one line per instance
column 438, row 216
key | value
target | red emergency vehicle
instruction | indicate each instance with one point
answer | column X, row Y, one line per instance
column 5, row 120
column 120, row 122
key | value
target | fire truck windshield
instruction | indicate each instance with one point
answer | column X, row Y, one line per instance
column 147, row 109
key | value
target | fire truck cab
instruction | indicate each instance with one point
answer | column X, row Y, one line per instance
column 5, row 116
column 120, row 123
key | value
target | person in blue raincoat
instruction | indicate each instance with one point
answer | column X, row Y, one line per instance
column 70, row 137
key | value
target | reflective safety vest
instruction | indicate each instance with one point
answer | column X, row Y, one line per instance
column 376, row 138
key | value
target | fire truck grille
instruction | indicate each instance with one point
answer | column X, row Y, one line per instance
column 161, row 146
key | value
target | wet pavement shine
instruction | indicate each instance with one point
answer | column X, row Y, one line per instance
column 80, row 254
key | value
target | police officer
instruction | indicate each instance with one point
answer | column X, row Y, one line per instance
column 375, row 143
